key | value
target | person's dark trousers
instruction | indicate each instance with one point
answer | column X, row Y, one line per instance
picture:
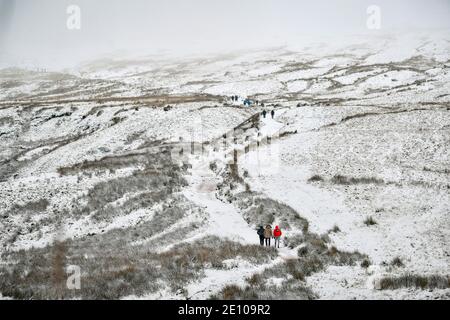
column 261, row 240
column 268, row 242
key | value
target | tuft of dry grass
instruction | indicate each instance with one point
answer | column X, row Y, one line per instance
column 255, row 280
column 289, row 290
column 335, row 229
column 315, row 178
column 344, row 180
column 32, row 207
column 365, row 263
column 397, row 262
column 59, row 262
column 414, row 281
column 370, row 221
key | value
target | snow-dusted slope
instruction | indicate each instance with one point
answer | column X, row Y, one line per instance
column 145, row 174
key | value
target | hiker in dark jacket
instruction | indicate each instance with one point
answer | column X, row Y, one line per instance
column 260, row 233
column 264, row 113
column 273, row 113
column 268, row 234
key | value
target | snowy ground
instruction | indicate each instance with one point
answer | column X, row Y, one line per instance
column 360, row 130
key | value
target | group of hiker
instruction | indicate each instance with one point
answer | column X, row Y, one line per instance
column 247, row 101
column 266, row 234
column 272, row 113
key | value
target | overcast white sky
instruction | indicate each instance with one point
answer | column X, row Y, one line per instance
column 35, row 30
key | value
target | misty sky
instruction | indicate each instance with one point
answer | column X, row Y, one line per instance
column 35, row 30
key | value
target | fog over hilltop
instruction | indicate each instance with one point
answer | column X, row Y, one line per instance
column 36, row 33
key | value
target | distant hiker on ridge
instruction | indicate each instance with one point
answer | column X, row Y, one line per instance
column 264, row 113
column 260, row 233
column 273, row 113
column 268, row 234
column 277, row 235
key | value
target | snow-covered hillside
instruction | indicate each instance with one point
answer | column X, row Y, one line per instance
column 146, row 175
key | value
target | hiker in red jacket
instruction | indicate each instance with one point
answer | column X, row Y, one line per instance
column 277, row 235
